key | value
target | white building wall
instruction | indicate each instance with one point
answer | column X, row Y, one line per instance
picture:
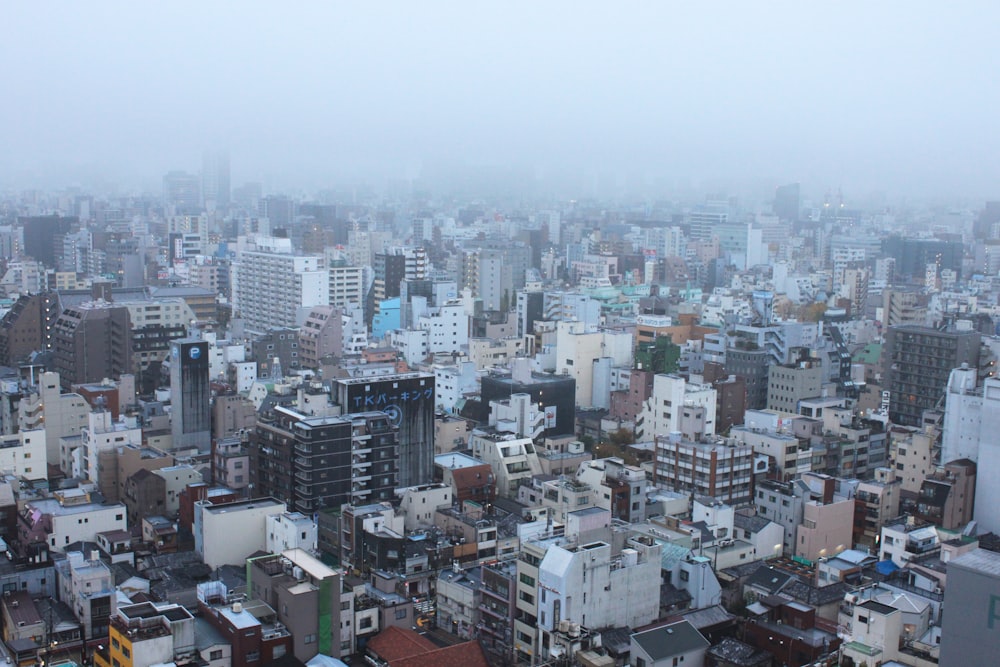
column 290, row 530
column 71, row 527
column 419, row 503
column 23, row 454
column 227, row 534
column 663, row 411
column 592, row 587
column 963, row 417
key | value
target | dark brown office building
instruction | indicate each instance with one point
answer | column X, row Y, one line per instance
column 26, row 327
column 91, row 342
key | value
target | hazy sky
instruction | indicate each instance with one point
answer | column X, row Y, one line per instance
column 866, row 95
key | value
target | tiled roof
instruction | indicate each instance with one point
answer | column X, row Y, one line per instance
column 467, row 654
column 396, row 643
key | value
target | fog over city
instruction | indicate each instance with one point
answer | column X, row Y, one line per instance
column 888, row 96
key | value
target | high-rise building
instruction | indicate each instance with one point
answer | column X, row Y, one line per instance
column 182, row 192
column 191, row 412
column 274, row 288
column 325, row 215
column 215, row 180
column 27, row 327
column 490, row 275
column 704, row 221
column 280, row 210
column 529, row 309
column 394, row 266
column 91, row 342
column 43, row 237
column 913, row 255
column 918, row 361
column 314, row 463
column 786, row 202
column 347, row 283
column 408, row 399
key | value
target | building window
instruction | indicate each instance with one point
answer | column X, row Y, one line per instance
column 310, row 639
column 215, row 655
column 401, row 613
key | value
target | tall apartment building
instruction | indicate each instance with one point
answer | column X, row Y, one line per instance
column 791, row 456
column 321, row 335
column 555, row 394
column 394, row 266
column 918, row 362
column 347, row 283
column 711, row 469
column 306, row 595
column 313, row 463
column 91, row 342
column 155, row 321
column 96, row 460
column 487, row 274
column 274, row 288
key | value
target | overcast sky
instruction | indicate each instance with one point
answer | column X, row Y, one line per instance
column 900, row 96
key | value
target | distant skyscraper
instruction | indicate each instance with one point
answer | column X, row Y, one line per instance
column 182, row 192
column 43, row 236
column 191, row 414
column 786, row 202
column 280, row 210
column 215, row 180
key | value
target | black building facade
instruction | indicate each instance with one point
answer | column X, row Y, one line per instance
column 556, row 394
column 190, row 395
column 408, row 400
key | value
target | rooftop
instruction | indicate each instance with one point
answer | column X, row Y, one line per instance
column 978, row 560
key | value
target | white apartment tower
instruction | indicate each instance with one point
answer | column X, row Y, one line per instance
column 274, row 288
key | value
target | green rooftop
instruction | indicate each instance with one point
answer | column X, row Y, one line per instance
column 869, row 354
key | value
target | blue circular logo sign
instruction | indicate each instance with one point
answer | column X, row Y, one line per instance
column 394, row 413
column 194, row 352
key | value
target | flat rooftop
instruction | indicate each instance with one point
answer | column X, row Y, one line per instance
column 241, row 505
